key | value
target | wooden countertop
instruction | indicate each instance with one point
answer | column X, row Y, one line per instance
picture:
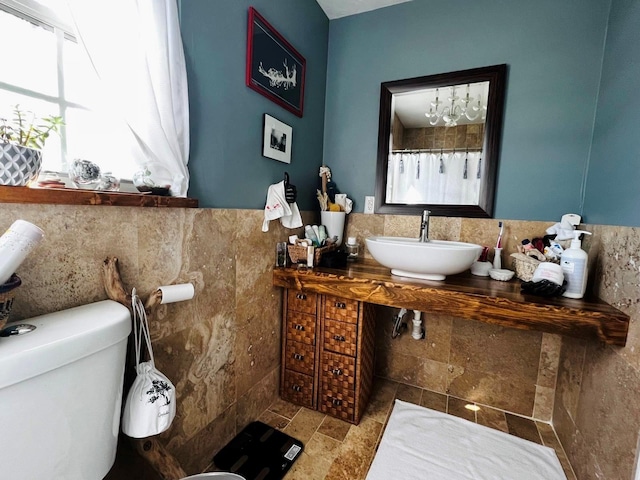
column 466, row 296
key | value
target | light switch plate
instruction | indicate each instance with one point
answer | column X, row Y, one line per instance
column 369, row 203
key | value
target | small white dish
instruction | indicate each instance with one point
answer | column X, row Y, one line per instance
column 481, row 269
column 501, row 274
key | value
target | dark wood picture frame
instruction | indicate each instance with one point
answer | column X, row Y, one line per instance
column 274, row 68
column 496, row 76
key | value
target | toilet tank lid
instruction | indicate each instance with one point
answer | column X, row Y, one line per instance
column 61, row 338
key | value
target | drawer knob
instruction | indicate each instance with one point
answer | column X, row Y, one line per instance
column 296, row 388
column 301, row 296
column 297, row 326
column 337, row 371
column 336, row 401
column 297, row 356
column 340, row 305
column 339, row 338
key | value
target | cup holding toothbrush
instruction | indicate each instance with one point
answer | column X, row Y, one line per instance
column 497, row 258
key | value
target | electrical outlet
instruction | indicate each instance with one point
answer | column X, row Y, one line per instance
column 369, row 203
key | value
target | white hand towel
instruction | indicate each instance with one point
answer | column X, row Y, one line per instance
column 277, row 207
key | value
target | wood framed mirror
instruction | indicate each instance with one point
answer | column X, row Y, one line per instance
column 438, row 143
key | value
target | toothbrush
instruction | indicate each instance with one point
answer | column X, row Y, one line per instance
column 499, row 242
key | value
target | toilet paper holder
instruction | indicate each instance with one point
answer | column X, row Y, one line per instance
column 176, row 293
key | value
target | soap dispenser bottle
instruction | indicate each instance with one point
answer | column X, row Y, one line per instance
column 574, row 262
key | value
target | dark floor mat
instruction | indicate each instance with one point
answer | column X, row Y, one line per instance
column 259, row 452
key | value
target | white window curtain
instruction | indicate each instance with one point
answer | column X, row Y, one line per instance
column 420, row 177
column 136, row 50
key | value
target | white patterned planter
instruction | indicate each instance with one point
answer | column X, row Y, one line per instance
column 19, row 165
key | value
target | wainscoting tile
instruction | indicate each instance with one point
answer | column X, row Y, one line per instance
column 457, row 407
column 492, row 418
column 257, row 399
column 196, row 454
column 408, row 393
column 523, row 428
column 434, row 401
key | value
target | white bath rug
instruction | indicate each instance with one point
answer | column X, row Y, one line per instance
column 419, row 443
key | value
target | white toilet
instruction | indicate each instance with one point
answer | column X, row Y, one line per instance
column 61, row 392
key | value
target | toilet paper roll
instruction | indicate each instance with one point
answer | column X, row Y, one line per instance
column 176, row 293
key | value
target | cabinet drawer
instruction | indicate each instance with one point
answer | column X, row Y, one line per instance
column 340, row 337
column 302, row 302
column 297, row 388
column 337, row 372
column 299, row 357
column 337, row 403
column 301, row 328
column 341, row 309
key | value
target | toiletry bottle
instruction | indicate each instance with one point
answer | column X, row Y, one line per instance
column 574, row 263
column 352, row 248
column 310, row 254
column 16, row 243
column 311, row 235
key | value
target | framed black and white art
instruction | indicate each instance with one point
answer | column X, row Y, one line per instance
column 277, row 139
column 274, row 68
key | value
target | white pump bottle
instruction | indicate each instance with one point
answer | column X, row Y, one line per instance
column 574, row 263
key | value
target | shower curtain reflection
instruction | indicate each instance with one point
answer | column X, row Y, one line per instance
column 432, row 177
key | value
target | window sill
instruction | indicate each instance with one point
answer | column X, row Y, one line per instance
column 87, row 197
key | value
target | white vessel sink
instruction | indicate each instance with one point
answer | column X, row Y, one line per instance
column 432, row 260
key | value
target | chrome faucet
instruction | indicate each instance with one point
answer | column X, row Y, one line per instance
column 424, row 226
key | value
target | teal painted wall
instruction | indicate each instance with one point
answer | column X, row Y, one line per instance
column 613, row 182
column 554, row 51
column 226, row 163
column 562, row 76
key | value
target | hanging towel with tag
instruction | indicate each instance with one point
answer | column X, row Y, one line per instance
column 277, row 207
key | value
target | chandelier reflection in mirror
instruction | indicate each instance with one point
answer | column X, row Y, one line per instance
column 471, row 107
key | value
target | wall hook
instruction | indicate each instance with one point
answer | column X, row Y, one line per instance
column 290, row 190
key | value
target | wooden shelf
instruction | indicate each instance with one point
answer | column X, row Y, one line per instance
column 89, row 197
column 466, row 296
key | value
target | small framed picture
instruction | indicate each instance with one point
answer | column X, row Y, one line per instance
column 274, row 68
column 277, row 139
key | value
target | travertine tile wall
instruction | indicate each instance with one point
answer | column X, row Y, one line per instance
column 597, row 406
column 460, row 137
column 397, row 132
column 221, row 349
column 510, row 369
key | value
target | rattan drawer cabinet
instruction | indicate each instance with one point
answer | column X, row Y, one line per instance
column 327, row 353
column 299, row 382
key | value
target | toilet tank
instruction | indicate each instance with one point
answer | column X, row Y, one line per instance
column 60, row 394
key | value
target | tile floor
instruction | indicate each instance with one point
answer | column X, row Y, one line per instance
column 336, row 450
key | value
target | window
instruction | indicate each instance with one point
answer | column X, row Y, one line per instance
column 44, row 70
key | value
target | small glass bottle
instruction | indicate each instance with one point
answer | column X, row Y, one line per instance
column 281, row 254
column 352, row 248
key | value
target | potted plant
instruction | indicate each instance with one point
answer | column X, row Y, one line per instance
column 21, row 141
